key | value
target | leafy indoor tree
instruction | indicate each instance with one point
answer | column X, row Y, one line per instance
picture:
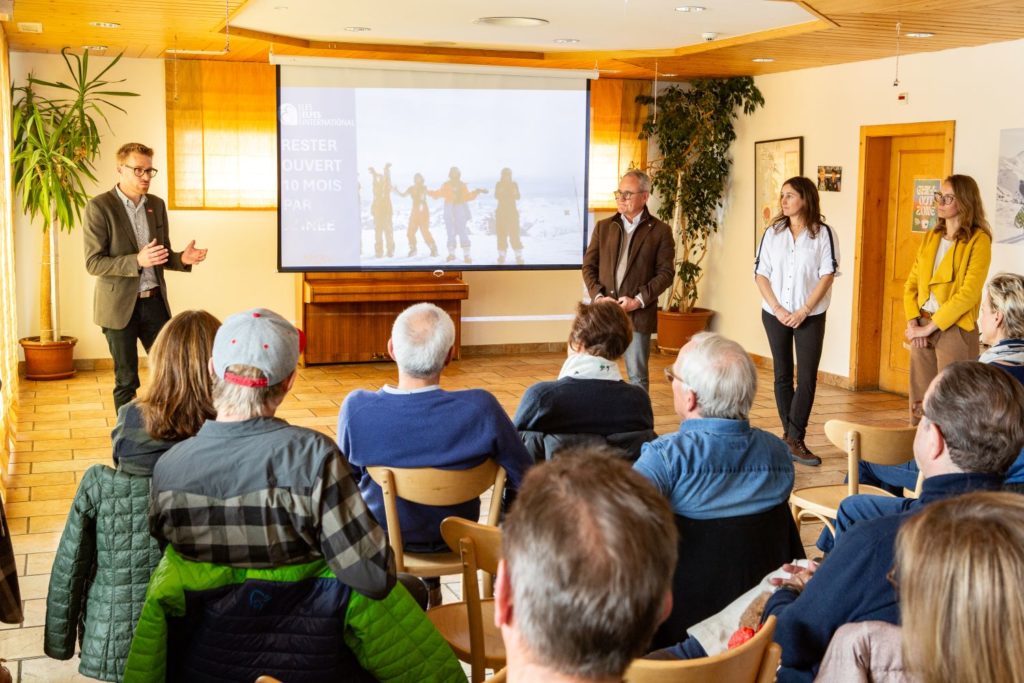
column 56, row 141
column 693, row 127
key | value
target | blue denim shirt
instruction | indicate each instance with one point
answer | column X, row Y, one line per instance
column 715, row 468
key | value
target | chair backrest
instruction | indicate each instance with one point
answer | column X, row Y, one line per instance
column 720, row 559
column 479, row 546
column 755, row 661
column 870, row 443
column 430, row 486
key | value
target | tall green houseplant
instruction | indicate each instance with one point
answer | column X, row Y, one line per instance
column 693, row 128
column 56, row 141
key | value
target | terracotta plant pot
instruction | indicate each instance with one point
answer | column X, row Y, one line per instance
column 675, row 328
column 49, row 360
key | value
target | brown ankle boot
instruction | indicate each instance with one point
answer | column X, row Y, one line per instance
column 799, row 452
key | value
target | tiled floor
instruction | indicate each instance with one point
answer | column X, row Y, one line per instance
column 64, row 428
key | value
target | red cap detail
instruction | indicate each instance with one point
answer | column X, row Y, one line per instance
column 244, row 381
column 302, row 340
column 266, row 346
column 255, row 315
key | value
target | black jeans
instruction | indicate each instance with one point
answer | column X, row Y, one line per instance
column 795, row 406
column 147, row 319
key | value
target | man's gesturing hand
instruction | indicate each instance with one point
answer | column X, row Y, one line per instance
column 152, row 254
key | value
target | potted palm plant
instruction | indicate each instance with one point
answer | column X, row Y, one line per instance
column 56, row 141
column 693, row 129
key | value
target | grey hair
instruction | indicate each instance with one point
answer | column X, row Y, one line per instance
column 421, row 337
column 1006, row 296
column 641, row 177
column 720, row 373
column 246, row 402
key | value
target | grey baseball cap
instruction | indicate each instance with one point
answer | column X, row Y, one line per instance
column 258, row 338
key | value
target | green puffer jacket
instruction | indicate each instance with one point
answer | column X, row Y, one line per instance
column 392, row 639
column 99, row 578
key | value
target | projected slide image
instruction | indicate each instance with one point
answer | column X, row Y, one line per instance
column 396, row 178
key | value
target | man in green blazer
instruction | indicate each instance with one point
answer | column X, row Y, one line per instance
column 127, row 247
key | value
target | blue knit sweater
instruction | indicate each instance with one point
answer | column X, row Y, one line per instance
column 444, row 429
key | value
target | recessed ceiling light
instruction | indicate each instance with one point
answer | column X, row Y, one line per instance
column 763, row 60
column 691, row 8
column 610, row 71
column 567, row 41
column 203, row 53
column 512, row 21
column 280, row 7
column 104, row 24
column 920, row 34
column 669, row 75
column 440, row 43
column 94, row 48
column 357, row 29
column 30, row 27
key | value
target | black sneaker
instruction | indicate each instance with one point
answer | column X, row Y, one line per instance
column 799, row 452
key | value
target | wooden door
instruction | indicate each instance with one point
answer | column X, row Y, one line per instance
column 910, row 158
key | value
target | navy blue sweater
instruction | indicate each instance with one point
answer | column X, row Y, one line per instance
column 852, row 584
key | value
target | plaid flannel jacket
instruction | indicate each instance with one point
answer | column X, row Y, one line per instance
column 261, row 493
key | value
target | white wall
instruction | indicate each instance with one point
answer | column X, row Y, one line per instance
column 976, row 87
column 240, row 270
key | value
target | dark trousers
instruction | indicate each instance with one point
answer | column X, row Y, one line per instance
column 795, row 405
column 147, row 319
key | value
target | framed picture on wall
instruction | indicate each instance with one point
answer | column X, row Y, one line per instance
column 774, row 162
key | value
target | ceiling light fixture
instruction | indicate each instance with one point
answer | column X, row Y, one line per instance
column 669, row 75
column 919, row 34
column 517, row 22
column 104, row 24
column 440, row 43
column 30, row 27
column 94, row 48
column 763, row 60
column 692, row 9
column 567, row 41
column 357, row 29
column 207, row 53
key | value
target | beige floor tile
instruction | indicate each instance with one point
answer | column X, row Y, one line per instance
column 34, row 586
column 35, row 612
column 39, row 563
column 20, row 643
column 36, row 543
column 48, row 670
column 42, row 523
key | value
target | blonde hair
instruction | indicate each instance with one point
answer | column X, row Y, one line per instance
column 969, row 208
column 960, row 567
column 1006, row 295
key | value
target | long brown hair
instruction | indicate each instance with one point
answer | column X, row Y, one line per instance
column 812, row 206
column 179, row 397
column 969, row 208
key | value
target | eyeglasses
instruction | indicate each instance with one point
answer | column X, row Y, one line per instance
column 671, row 376
column 625, row 196
column 139, row 171
column 944, row 199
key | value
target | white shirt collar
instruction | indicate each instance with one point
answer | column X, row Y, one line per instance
column 388, row 389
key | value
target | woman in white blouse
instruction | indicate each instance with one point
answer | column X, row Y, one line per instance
column 796, row 262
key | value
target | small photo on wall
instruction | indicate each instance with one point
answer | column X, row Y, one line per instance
column 830, row 178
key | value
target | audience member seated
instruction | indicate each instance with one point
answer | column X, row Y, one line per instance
column 1002, row 327
column 973, row 428
column 249, row 489
column 970, row 550
column 589, row 403
column 418, row 424
column 722, row 477
column 298, row 623
column 106, row 554
column 588, row 551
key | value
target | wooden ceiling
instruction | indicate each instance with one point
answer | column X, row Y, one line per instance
column 845, row 31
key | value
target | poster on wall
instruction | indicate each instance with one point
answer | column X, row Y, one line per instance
column 774, row 162
column 1009, row 220
column 925, row 210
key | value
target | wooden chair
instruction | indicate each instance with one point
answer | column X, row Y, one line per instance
column 429, row 486
column 755, row 661
column 877, row 445
column 468, row 626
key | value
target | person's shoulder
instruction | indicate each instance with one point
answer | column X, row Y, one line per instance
column 106, row 199
column 358, row 397
column 478, row 397
column 981, row 238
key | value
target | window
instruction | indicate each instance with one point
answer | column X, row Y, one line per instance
column 221, row 135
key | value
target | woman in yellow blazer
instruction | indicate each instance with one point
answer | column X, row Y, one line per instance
column 943, row 290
